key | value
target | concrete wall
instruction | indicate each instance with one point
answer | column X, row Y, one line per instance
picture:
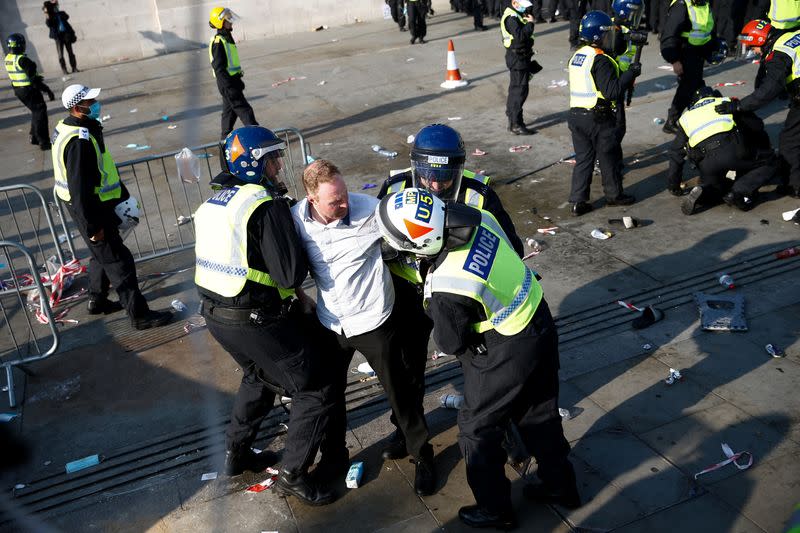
column 109, row 31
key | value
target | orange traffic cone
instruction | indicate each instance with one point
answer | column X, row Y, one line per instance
column 453, row 79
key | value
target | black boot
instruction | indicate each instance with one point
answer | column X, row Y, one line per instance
column 101, row 305
column 151, row 319
column 424, row 477
column 580, row 208
column 478, row 517
column 521, row 129
column 332, row 469
column 396, row 448
column 740, row 201
column 690, row 202
column 241, row 458
column 300, row 485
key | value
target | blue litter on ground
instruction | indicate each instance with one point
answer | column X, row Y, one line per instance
column 80, row 464
column 368, row 186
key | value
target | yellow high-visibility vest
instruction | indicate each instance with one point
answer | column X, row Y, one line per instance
column 788, row 43
column 701, row 121
column 109, row 188
column 18, row 77
column 231, row 53
column 582, row 90
column 702, row 23
column 784, row 14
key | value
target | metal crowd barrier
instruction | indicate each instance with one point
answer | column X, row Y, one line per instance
column 168, row 203
column 24, row 342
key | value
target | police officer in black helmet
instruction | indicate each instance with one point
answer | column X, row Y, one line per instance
column 28, row 86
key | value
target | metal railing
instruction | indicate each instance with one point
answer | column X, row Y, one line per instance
column 168, row 203
column 23, row 344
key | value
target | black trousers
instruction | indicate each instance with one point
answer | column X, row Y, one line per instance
column 688, row 83
column 32, row 98
column 751, row 172
column 789, row 145
column 383, row 349
column 416, row 19
column 280, row 352
column 728, row 19
column 575, row 10
column 234, row 105
column 656, row 12
column 515, row 381
column 477, row 12
column 61, row 43
column 396, row 8
column 594, row 140
column 517, row 94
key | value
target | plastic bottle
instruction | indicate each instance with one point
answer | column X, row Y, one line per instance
column 789, row 252
column 179, row 306
column 452, row 401
column 383, row 151
column 726, row 281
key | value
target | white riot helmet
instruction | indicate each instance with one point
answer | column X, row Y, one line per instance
column 412, row 220
column 128, row 213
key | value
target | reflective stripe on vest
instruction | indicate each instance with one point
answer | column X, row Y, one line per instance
column 508, row 39
column 488, row 270
column 702, row 23
column 582, row 90
column 626, row 58
column 788, row 43
column 18, row 77
column 701, row 121
column 231, row 54
column 784, row 14
column 109, row 188
column 221, row 248
column 471, row 196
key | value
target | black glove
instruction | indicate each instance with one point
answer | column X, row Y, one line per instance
column 637, row 37
column 728, row 108
column 50, row 95
column 535, row 67
column 635, row 69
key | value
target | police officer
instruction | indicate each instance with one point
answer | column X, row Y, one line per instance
column 595, row 88
column 516, row 26
column 487, row 308
column 397, row 9
column 478, row 7
column 686, row 41
column 417, row 25
column 778, row 49
column 718, row 139
column 627, row 15
column 784, row 15
column 86, row 180
column 28, row 86
column 225, row 66
column 437, row 165
column 249, row 262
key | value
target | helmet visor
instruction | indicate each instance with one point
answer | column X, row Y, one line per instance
column 229, row 15
column 439, row 175
column 744, row 48
column 609, row 38
column 633, row 16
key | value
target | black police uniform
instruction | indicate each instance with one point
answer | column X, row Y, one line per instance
column 277, row 348
column 31, row 97
column 515, row 380
column 416, row 20
column 776, row 68
column 231, row 88
column 674, row 48
column 520, row 68
column 575, row 10
column 595, row 135
column 396, row 7
column 745, row 149
column 656, row 14
column 728, row 20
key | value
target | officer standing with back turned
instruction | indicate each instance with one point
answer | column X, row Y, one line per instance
column 516, row 26
column 28, row 87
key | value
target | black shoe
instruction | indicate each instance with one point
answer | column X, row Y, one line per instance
column 481, row 28
column 396, row 449
column 552, row 19
column 424, row 477
column 239, row 459
column 521, row 129
column 413, row 40
column 34, row 141
column 670, row 126
column 403, row 29
column 152, row 319
column 476, row 516
column 739, row 200
column 102, row 306
column 422, row 40
column 303, row 488
column 541, row 493
column 581, row 208
column 689, row 203
column 788, row 190
column 329, row 470
column 675, row 190
column 622, row 199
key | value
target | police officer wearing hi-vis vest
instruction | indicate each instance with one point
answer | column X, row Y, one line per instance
column 686, row 41
column 487, row 308
column 784, row 15
column 249, row 263
column 87, row 181
column 778, row 49
column 595, row 89
column 225, row 66
column 516, row 27
column 627, row 15
column 28, row 86
column 437, row 165
column 719, row 140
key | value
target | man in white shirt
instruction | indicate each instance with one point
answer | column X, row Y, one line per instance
column 355, row 298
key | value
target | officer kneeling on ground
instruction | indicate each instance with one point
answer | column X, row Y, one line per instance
column 717, row 141
column 249, row 262
column 487, row 308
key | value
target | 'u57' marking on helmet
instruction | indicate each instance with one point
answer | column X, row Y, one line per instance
column 481, row 254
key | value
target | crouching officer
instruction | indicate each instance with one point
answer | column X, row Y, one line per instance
column 437, row 165
column 249, row 260
column 718, row 140
column 595, row 88
column 225, row 67
column 28, row 86
column 87, row 181
column 778, row 49
column 487, row 308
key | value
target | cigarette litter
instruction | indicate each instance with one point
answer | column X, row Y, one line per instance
column 436, row 355
column 555, row 84
column 134, row 110
column 731, row 458
column 208, row 476
column 519, row 148
column 730, row 83
column 19, row 486
column 674, row 376
column 172, row 126
column 647, row 346
column 774, row 351
column 323, row 82
column 143, row 147
column 665, row 67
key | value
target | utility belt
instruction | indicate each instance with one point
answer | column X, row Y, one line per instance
column 603, row 111
column 252, row 316
column 699, row 152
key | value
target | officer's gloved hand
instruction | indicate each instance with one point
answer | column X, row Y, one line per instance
column 635, row 69
column 50, row 95
column 535, row 67
column 728, row 108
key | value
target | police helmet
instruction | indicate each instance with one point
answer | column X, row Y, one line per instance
column 248, row 148
column 219, row 15
column 754, row 35
column 704, row 92
column 719, row 53
column 16, row 43
column 412, row 220
column 628, row 12
column 597, row 29
column 437, row 161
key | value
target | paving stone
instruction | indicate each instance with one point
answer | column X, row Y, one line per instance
column 779, row 327
column 591, row 417
column 415, row 524
column 583, row 357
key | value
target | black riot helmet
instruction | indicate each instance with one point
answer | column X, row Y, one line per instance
column 16, row 43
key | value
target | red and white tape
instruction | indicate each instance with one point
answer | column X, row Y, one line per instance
column 731, row 458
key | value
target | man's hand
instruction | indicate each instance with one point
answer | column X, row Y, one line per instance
column 635, row 69
column 677, row 68
column 728, row 108
column 98, row 237
column 307, row 304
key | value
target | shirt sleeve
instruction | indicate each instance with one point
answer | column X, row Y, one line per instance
column 281, row 246
column 606, row 79
column 83, row 176
column 495, row 207
column 453, row 317
column 777, row 67
column 671, row 41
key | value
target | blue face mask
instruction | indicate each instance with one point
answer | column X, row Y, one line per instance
column 94, row 111
column 521, row 9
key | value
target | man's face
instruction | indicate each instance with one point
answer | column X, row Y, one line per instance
column 436, row 187
column 330, row 200
column 226, row 25
column 272, row 167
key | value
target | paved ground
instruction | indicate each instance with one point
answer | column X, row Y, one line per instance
column 154, row 405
